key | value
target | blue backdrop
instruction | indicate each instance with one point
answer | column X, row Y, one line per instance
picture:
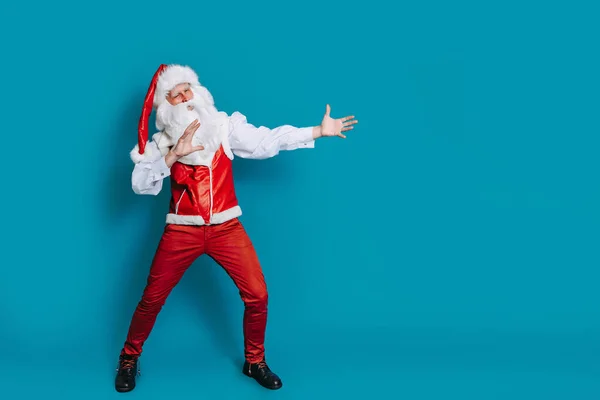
column 448, row 249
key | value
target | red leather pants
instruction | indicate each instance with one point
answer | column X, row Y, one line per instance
column 229, row 245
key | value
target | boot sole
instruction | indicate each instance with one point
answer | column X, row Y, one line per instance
column 124, row 390
column 265, row 386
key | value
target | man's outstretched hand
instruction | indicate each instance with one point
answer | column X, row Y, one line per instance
column 184, row 146
column 334, row 127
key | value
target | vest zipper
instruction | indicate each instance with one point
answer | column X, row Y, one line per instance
column 179, row 201
column 211, row 195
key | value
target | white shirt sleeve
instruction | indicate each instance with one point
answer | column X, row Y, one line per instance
column 147, row 176
column 248, row 141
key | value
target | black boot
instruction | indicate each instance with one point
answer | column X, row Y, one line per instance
column 262, row 374
column 126, row 373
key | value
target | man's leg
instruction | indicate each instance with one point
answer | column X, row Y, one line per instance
column 178, row 248
column 229, row 245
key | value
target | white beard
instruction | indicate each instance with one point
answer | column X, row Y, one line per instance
column 212, row 133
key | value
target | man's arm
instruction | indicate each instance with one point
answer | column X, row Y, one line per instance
column 147, row 176
column 248, row 141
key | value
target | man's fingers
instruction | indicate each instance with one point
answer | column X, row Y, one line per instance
column 185, row 136
column 342, row 135
column 198, row 148
column 347, row 128
column 186, row 133
column 349, row 125
column 192, row 127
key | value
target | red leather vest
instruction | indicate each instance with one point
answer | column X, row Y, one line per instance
column 202, row 195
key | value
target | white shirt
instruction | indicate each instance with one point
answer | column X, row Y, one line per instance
column 245, row 140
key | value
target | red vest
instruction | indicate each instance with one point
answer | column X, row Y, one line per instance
column 202, row 195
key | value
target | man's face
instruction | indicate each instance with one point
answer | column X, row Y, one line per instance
column 181, row 93
column 182, row 107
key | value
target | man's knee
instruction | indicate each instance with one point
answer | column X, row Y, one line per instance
column 152, row 301
column 257, row 297
column 151, row 305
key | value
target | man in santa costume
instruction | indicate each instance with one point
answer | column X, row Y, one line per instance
column 194, row 147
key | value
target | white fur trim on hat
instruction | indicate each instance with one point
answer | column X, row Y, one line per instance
column 172, row 76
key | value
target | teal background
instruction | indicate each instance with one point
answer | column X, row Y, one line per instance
column 448, row 249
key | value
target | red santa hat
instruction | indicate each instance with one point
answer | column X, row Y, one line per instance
column 164, row 80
